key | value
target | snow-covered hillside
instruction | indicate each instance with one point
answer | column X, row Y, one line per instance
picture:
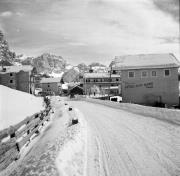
column 16, row 105
column 56, row 75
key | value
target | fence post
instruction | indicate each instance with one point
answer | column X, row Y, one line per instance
column 27, row 130
column 12, row 133
column 36, row 116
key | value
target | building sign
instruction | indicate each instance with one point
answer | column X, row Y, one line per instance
column 134, row 85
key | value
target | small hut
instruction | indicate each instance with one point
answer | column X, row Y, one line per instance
column 75, row 90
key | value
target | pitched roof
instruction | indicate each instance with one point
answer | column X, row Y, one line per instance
column 16, row 69
column 145, row 61
column 70, row 88
column 73, row 84
column 50, row 80
column 99, row 75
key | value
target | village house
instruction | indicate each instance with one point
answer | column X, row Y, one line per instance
column 75, row 89
column 101, row 83
column 149, row 79
column 18, row 77
column 37, row 79
column 51, row 85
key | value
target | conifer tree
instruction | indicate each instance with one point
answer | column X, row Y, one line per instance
column 5, row 53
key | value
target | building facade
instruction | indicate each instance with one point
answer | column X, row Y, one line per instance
column 101, row 83
column 51, row 85
column 149, row 79
column 18, row 77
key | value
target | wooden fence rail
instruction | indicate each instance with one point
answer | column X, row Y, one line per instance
column 15, row 137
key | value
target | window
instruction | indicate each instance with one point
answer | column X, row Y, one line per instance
column 11, row 74
column 114, row 72
column 117, row 79
column 144, row 74
column 11, row 81
column 48, row 85
column 131, row 74
column 167, row 72
column 153, row 74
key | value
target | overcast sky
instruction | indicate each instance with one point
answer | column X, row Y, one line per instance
column 91, row 30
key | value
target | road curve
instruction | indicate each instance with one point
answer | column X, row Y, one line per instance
column 126, row 144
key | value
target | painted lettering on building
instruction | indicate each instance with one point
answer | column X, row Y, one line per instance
column 134, row 85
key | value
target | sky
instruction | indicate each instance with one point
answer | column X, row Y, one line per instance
column 91, row 30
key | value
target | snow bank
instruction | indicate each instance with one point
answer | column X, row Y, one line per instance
column 170, row 115
column 72, row 159
column 16, row 105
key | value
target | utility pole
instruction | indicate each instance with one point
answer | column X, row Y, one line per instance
column 120, row 84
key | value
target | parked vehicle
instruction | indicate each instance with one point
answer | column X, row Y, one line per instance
column 116, row 98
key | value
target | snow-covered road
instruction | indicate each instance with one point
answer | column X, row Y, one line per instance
column 125, row 144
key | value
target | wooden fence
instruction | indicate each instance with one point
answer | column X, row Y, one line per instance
column 15, row 137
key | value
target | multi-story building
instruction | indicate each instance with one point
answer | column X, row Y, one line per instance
column 18, row 77
column 51, row 85
column 101, row 83
column 148, row 79
column 37, row 79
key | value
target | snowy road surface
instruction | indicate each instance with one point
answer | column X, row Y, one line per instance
column 124, row 144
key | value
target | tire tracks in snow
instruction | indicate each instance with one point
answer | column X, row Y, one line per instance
column 131, row 144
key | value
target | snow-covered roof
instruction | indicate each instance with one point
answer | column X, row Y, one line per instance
column 50, row 80
column 72, row 84
column 70, row 88
column 99, row 75
column 16, row 69
column 142, row 61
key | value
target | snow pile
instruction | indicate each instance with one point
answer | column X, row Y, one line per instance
column 16, row 106
column 72, row 159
